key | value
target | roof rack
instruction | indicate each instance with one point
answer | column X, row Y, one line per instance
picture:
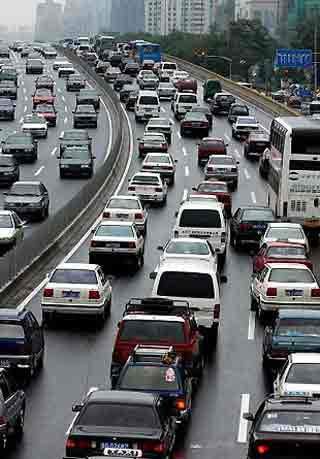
column 293, row 398
column 150, row 353
column 158, row 306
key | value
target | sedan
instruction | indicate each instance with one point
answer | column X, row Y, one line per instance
column 194, row 123
column 48, row 111
column 22, row 146
column 244, row 126
column 162, row 164
column 224, row 168
column 9, row 170
column 281, row 285
column 149, row 81
column 210, row 146
column 289, row 232
column 205, row 111
column 125, row 92
column 28, row 199
column 160, row 125
column 7, row 109
column 36, row 125
column 121, row 81
column 75, row 83
column 45, row 82
column 85, row 116
column 126, row 208
column 218, row 189
column 8, row 89
column 42, row 96
column 152, row 143
column 166, row 90
column 111, row 74
column 11, row 229
column 148, row 187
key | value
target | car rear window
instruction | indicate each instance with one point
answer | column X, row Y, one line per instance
column 200, row 218
column 145, row 180
column 219, row 188
column 299, row 327
column 221, row 160
column 118, row 203
column 114, row 231
column 5, row 220
column 188, row 99
column 169, row 67
column 264, row 215
column 304, row 373
column 284, row 233
column 186, row 284
column 74, row 276
column 287, row 252
column 289, row 276
column 154, row 331
column 148, row 100
column 10, row 330
column 239, row 111
column 186, row 247
column 163, row 159
column 149, row 378
column 290, row 422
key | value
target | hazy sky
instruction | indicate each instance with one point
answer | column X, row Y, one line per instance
column 19, row 12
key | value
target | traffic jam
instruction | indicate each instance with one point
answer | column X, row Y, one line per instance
column 165, row 341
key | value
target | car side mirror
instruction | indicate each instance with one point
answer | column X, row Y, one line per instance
column 160, row 247
column 238, row 162
column 153, row 275
column 223, row 279
column 76, row 407
column 248, row 417
column 176, row 214
column 226, row 144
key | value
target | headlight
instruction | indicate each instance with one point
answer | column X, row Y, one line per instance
column 85, row 165
column 34, row 204
column 64, row 166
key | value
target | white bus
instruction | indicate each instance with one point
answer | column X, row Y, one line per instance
column 294, row 174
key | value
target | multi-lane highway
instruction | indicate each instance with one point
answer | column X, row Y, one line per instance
column 78, row 357
column 45, row 168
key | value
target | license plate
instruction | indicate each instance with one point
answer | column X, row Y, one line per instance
column 122, row 215
column 259, row 227
column 113, row 245
column 70, row 294
column 294, row 292
column 111, row 445
column 115, row 452
column 4, row 363
column 142, row 189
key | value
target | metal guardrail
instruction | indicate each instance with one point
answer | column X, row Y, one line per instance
column 252, row 96
column 21, row 258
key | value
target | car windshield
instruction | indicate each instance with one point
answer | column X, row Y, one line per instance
column 76, row 153
column 298, row 327
column 74, row 276
column 186, row 284
column 35, row 62
column 158, row 122
column 295, row 422
column 195, row 116
column 163, row 159
column 153, row 331
column 88, row 93
column 118, row 415
column 212, row 188
column 222, row 160
column 10, row 331
column 18, row 139
column 145, row 180
column 287, row 252
column 34, row 119
column 200, row 218
column 212, row 145
column 22, row 189
column 149, row 378
column 114, row 231
column 118, row 203
column 291, row 276
column 263, row 215
column 188, row 99
column 5, row 221
column 246, row 120
column 186, row 247
column 304, row 373
column 284, row 233
column 165, row 85
column 43, row 92
column 224, row 99
column 85, row 109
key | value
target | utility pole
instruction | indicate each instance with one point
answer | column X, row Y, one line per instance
column 316, row 53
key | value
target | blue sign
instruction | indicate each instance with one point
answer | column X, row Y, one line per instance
column 303, row 92
column 293, row 58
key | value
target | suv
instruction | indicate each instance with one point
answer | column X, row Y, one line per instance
column 21, row 341
column 183, row 102
column 158, row 321
column 147, row 105
column 221, row 103
column 12, row 409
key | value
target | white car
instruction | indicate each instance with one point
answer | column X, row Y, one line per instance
column 111, row 74
column 142, row 74
column 162, row 164
column 114, row 241
column 11, row 228
column 243, row 126
column 288, row 232
column 126, row 208
column 166, row 90
column 183, row 102
column 36, row 125
column 300, row 375
column 149, row 81
column 179, row 75
column 65, row 70
column 76, row 289
column 148, row 187
column 59, row 63
column 283, row 285
column 189, row 248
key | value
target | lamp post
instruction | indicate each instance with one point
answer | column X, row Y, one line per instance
column 316, row 53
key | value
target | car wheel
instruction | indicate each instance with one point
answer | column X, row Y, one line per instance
column 19, row 427
column 171, row 182
column 235, row 242
column 47, row 212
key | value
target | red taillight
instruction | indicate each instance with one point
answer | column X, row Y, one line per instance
column 158, row 189
column 216, row 311
column 181, row 404
column 150, row 446
column 48, row 292
column 315, row 292
column 93, row 244
column 84, row 444
column 209, row 168
column 3, row 420
column 131, row 245
column 203, row 124
column 279, row 353
column 94, row 295
column 262, row 449
column 138, row 216
column 271, row 291
column 167, row 168
column 141, row 146
column 146, row 166
column 187, row 124
column 202, row 152
column 164, row 146
column 131, row 188
column 106, row 214
column 244, row 226
column 71, row 443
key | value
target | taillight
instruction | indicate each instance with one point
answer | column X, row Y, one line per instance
column 223, row 236
column 262, row 449
column 164, row 146
column 138, row 216
column 244, row 226
column 216, row 311
column 3, row 420
column 158, row 189
column 131, row 188
column 167, row 168
column 315, row 292
column 187, row 124
column 131, row 245
column 106, row 214
column 84, row 444
column 141, row 146
column 146, row 166
column 93, row 244
column 271, row 291
column 209, row 168
column 181, row 404
column 94, row 295
column 48, row 292
column 157, row 447
column 71, row 443
column 176, row 234
column 279, row 353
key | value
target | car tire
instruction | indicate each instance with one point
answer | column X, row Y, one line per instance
column 163, row 202
column 221, row 260
column 234, row 241
column 46, row 319
column 19, row 426
column 42, row 214
column 171, row 182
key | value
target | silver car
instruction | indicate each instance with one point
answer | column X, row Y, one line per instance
column 11, row 228
column 166, row 90
column 224, row 168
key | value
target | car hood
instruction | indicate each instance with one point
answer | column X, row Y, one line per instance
column 17, row 146
column 22, row 199
column 120, row 432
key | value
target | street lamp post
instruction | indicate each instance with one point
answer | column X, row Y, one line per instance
column 316, row 56
column 224, row 58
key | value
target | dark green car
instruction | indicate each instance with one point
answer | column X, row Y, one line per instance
column 76, row 161
column 210, row 88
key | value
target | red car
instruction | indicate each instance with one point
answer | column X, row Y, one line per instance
column 42, row 96
column 158, row 322
column 210, row 146
column 280, row 252
column 218, row 189
column 48, row 111
column 187, row 85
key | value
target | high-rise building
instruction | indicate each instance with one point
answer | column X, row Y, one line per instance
column 223, row 13
column 49, row 21
column 86, row 16
column 127, row 16
column 162, row 16
column 196, row 16
column 267, row 11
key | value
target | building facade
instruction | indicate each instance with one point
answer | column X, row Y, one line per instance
column 267, row 11
column 49, row 21
column 223, row 14
column 127, row 16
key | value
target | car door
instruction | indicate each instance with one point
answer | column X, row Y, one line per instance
column 235, row 221
column 11, row 399
column 19, row 230
column 258, row 282
column 37, row 335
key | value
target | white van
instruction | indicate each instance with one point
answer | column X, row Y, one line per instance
column 147, row 105
column 168, row 68
column 203, row 219
column 195, row 281
column 183, row 102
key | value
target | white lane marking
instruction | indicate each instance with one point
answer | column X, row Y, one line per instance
column 253, row 197
column 246, row 173
column 184, row 151
column 54, row 151
column 63, row 98
column 22, row 84
column 26, row 98
column 62, row 134
column 163, row 110
column 24, row 90
column 251, row 325
column 243, row 423
column 25, row 109
column 74, row 249
column 59, row 90
column 65, row 120
column 178, row 134
column 237, row 153
column 66, row 109
column 39, row 171
column 21, row 120
column 185, row 194
column 110, row 127
column 171, row 120
column 186, row 171
column 227, row 137
column 71, row 424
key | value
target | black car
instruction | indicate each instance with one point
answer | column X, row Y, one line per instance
column 221, row 103
column 22, row 146
column 85, row 116
column 7, row 109
column 236, row 110
column 21, row 342
column 76, row 161
column 75, row 83
column 28, row 199
column 115, row 60
column 34, row 66
column 9, row 73
column 122, row 420
column 120, row 81
column 248, row 224
column 9, row 170
column 131, row 101
column 8, row 89
column 125, row 92
column 45, row 82
column 285, row 427
column 205, row 111
column 194, row 123
column 255, row 144
column 132, row 68
column 75, row 138
column 88, row 97
column 12, row 410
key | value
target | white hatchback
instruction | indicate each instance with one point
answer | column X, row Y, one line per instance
column 126, row 208
column 148, row 187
